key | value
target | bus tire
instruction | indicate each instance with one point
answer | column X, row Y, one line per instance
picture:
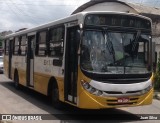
column 16, row 81
column 55, row 98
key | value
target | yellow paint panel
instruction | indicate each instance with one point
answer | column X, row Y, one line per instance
column 6, row 66
column 22, row 77
column 82, row 76
column 60, row 82
column 41, row 82
column 89, row 101
column 12, row 73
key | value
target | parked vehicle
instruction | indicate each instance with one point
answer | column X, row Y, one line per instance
column 1, row 64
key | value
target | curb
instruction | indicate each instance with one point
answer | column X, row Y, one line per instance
column 156, row 95
column 5, row 121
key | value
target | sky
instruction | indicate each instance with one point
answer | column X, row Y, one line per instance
column 17, row 14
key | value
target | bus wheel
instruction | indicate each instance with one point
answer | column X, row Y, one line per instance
column 55, row 99
column 16, row 81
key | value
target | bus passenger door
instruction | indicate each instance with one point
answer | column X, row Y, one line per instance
column 30, row 60
column 71, row 66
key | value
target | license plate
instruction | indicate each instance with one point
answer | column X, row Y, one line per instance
column 123, row 100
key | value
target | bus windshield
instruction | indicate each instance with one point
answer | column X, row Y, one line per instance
column 115, row 52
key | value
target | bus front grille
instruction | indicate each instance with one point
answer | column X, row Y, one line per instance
column 128, row 92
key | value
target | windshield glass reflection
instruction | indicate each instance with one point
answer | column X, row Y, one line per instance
column 114, row 52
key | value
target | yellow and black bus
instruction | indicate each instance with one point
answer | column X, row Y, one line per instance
column 91, row 60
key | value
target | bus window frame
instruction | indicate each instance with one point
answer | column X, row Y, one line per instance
column 49, row 37
column 18, row 45
column 20, row 38
column 37, row 43
column 5, row 48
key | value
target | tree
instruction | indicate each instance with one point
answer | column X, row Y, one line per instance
column 157, row 76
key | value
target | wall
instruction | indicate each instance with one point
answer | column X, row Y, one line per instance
column 110, row 6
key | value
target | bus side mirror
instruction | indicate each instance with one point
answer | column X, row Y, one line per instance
column 154, row 56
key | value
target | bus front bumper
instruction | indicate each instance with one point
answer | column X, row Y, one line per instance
column 89, row 101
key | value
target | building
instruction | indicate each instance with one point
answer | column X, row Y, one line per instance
column 2, row 34
column 121, row 6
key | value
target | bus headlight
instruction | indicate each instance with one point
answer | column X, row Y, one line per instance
column 85, row 84
column 91, row 89
column 99, row 93
column 147, row 89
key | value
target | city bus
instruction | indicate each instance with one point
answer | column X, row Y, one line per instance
column 90, row 60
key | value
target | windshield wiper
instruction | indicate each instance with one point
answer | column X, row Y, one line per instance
column 108, row 42
column 136, row 40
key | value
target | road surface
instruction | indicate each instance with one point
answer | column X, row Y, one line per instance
column 28, row 102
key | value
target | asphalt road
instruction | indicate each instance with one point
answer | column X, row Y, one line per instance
column 28, row 102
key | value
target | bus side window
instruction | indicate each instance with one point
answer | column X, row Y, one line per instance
column 41, row 48
column 23, row 45
column 56, row 41
column 6, row 47
column 16, row 46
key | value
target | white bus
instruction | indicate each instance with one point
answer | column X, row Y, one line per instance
column 91, row 60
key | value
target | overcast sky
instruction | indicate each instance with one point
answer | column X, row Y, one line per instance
column 16, row 14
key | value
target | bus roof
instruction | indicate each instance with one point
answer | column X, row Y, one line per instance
column 46, row 25
column 74, row 17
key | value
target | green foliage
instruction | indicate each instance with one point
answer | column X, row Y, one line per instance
column 157, row 76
